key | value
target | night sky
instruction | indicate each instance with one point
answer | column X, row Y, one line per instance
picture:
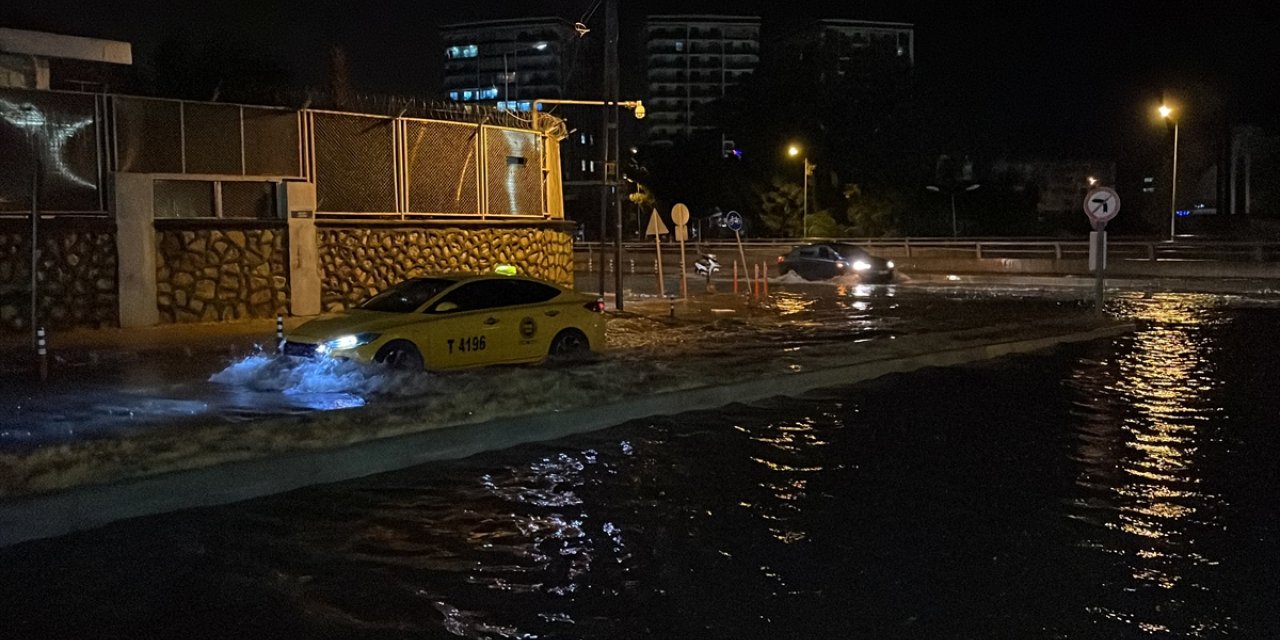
column 1071, row 78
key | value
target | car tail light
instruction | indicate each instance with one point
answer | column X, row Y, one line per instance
column 596, row 306
column 780, row 259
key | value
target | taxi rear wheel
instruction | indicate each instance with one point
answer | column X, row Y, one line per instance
column 567, row 344
column 400, row 354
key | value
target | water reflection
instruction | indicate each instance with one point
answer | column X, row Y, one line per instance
column 791, row 449
column 1147, row 409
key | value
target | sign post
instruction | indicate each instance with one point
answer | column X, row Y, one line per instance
column 733, row 220
column 680, row 216
column 656, row 229
column 1101, row 204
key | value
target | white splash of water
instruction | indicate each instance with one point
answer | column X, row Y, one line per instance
column 299, row 376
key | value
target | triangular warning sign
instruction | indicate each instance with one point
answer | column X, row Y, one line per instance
column 656, row 228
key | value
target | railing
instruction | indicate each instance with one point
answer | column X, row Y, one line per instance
column 1002, row 248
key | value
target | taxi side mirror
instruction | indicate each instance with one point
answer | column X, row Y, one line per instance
column 445, row 307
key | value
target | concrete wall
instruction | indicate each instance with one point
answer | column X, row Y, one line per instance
column 227, row 270
column 359, row 260
column 76, row 269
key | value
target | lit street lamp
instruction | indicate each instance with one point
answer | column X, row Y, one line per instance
column 952, row 192
column 794, row 151
column 1166, row 112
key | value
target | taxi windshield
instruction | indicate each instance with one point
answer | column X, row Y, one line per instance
column 407, row 296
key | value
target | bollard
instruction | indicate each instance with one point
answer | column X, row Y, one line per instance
column 632, row 266
column 764, row 278
column 735, row 277
column 279, row 333
column 755, row 282
column 42, row 355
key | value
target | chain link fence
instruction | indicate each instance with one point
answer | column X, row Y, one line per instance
column 441, row 167
column 513, row 165
column 354, row 163
column 425, row 160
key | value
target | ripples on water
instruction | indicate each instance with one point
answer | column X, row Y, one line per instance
column 1118, row 489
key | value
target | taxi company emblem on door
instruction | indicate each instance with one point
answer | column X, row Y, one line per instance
column 528, row 328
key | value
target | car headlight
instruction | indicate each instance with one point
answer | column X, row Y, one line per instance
column 861, row 266
column 889, row 264
column 343, row 343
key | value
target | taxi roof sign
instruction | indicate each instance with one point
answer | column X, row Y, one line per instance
column 506, row 270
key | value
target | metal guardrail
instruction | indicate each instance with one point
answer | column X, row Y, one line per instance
column 998, row 248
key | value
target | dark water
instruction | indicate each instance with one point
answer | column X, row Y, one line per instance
column 1119, row 489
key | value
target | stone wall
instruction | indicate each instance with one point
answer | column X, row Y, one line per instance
column 207, row 273
column 358, row 261
column 76, row 272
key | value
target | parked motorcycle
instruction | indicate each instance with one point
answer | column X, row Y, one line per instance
column 706, row 266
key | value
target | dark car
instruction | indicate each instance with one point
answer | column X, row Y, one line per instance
column 825, row 261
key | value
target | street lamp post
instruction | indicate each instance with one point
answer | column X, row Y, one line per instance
column 952, row 192
column 506, row 75
column 794, row 151
column 1166, row 112
column 638, row 108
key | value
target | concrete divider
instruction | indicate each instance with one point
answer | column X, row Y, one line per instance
column 88, row 507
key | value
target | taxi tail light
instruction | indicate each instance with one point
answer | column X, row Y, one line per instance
column 596, row 306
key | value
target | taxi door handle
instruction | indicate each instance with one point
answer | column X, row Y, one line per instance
column 553, row 313
column 491, row 321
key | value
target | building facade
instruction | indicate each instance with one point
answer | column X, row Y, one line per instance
column 39, row 60
column 691, row 62
column 511, row 63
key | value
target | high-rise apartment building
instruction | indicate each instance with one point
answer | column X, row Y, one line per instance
column 513, row 61
column 692, row 62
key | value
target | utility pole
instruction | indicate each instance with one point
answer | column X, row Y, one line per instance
column 612, row 93
column 610, row 13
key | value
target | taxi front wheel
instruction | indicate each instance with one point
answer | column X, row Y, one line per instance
column 400, row 354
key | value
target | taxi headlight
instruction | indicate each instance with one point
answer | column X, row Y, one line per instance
column 352, row 341
column 861, row 266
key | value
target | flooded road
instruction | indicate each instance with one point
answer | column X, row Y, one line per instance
column 1123, row 488
column 122, row 393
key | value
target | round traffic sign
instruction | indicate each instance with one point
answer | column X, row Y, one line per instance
column 1101, row 204
column 680, row 214
column 733, row 220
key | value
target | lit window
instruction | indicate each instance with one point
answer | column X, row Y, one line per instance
column 469, row 51
column 584, row 166
column 593, row 166
column 582, row 138
column 679, row 45
column 453, row 95
column 468, row 95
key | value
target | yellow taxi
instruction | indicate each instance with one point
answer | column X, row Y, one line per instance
column 458, row 321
